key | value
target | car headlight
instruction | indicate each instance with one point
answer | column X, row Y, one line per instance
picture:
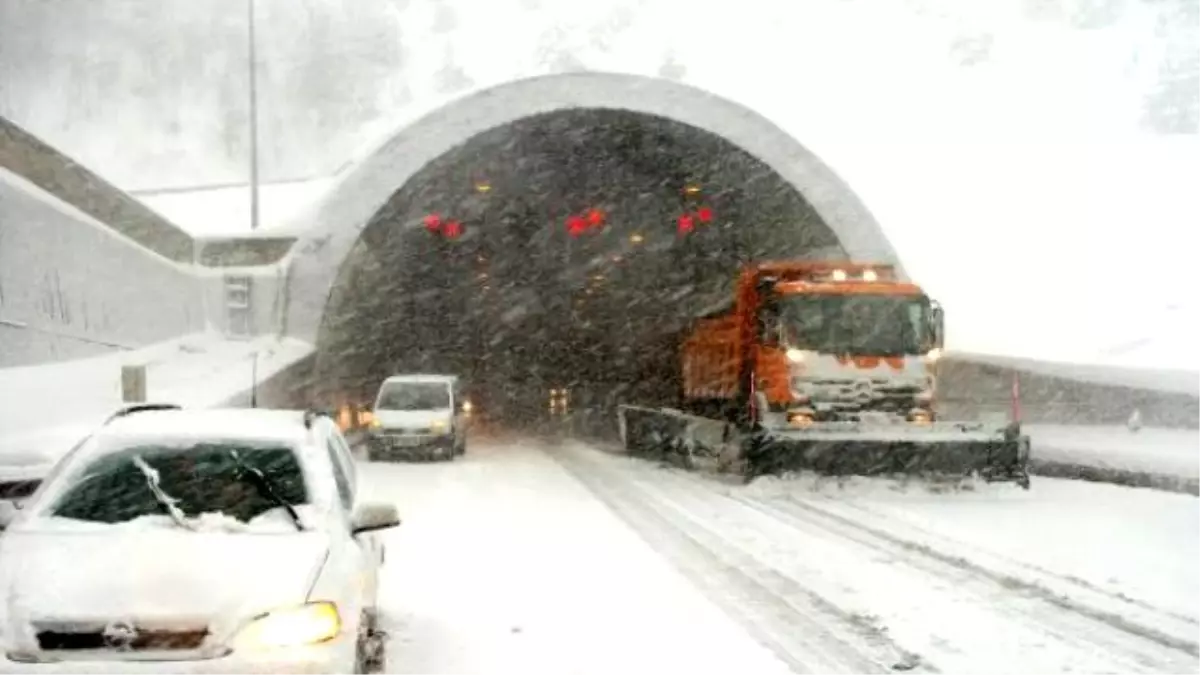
column 375, row 423
column 293, row 627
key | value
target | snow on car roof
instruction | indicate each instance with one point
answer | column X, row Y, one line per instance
column 421, row 377
column 259, row 424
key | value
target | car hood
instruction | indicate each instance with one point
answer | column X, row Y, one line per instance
column 147, row 576
column 411, row 419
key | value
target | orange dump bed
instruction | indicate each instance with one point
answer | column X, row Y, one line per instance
column 711, row 359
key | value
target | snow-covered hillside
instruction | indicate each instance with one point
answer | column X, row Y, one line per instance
column 1030, row 160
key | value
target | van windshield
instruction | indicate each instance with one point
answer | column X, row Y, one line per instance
column 414, row 396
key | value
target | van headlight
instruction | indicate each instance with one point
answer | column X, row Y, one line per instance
column 438, row 426
column 293, row 626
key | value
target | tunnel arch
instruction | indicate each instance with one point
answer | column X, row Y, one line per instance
column 326, row 242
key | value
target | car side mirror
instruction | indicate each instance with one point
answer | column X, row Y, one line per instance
column 374, row 516
column 8, row 513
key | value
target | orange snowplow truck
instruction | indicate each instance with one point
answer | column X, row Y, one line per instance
column 832, row 366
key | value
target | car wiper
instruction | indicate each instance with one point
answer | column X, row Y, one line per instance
column 265, row 487
column 165, row 500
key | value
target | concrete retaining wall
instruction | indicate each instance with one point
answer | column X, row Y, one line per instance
column 70, row 287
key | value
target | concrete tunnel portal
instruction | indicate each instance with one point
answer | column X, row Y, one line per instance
column 548, row 250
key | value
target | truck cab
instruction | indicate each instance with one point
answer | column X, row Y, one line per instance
column 418, row 416
column 845, row 342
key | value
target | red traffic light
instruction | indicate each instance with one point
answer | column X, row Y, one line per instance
column 686, row 223
column 704, row 214
column 452, row 229
column 433, row 222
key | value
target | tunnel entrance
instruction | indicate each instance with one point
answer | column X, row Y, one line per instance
column 565, row 250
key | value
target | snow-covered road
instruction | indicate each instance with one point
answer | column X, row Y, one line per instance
column 557, row 557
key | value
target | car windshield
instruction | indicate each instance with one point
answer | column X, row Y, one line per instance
column 878, row 325
column 414, row 396
column 200, row 478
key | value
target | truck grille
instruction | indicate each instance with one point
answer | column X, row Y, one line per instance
column 873, row 394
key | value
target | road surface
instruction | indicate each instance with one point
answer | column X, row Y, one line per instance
column 557, row 557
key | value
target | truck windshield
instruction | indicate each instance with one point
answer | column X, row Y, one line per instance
column 414, row 396
column 877, row 325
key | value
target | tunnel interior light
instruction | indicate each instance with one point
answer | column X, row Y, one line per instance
column 636, row 238
column 596, row 217
column 576, row 225
column 686, row 223
column 483, row 186
column 692, row 189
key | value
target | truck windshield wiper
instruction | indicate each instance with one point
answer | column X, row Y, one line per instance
column 165, row 500
column 265, row 488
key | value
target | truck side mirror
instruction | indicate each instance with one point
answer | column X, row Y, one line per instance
column 937, row 320
column 768, row 323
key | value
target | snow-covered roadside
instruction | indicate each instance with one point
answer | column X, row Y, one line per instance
column 1060, row 449
column 46, row 408
column 941, row 595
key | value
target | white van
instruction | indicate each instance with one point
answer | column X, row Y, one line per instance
column 418, row 417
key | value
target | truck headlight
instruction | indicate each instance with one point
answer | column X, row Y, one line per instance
column 438, row 426
column 293, row 627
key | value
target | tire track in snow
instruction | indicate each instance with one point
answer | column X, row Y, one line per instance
column 802, row 629
column 1071, row 623
column 886, row 542
column 1040, row 578
column 963, row 618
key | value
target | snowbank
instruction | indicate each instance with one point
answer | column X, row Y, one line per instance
column 1163, row 458
column 46, row 408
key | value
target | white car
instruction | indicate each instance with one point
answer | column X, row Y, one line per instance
column 199, row 541
column 418, row 416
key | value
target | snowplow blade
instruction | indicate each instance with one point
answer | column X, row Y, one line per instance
column 938, row 449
